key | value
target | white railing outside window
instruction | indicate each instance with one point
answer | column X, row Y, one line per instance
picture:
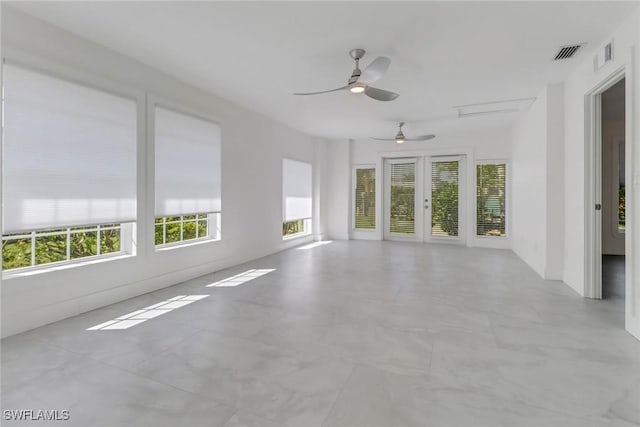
column 36, row 248
column 176, row 229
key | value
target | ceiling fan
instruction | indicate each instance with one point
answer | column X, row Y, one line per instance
column 400, row 138
column 360, row 80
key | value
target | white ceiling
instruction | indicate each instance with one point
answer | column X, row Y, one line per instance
column 258, row 53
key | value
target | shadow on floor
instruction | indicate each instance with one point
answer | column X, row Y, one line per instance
column 613, row 277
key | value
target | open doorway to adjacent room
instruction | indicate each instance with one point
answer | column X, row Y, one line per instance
column 612, row 166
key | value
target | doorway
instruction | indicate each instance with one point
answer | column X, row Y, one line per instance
column 613, row 183
column 444, row 199
column 402, row 213
column 425, row 198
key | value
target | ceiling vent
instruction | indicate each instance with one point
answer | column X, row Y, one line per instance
column 567, row 52
column 494, row 107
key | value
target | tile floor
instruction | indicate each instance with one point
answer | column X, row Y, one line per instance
column 345, row 334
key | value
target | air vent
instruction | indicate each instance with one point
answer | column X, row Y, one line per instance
column 567, row 52
column 494, row 107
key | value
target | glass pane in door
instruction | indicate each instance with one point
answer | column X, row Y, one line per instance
column 444, row 198
column 403, row 196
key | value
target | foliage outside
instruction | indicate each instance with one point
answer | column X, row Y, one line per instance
column 621, row 208
column 292, row 227
column 444, row 209
column 173, row 229
column 490, row 200
column 365, row 198
column 402, row 209
column 54, row 246
column 444, row 198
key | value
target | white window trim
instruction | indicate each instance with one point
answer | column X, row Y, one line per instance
column 307, row 224
column 353, row 197
column 507, row 194
column 127, row 250
column 152, row 101
column 213, row 219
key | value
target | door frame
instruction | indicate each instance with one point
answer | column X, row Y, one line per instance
column 469, row 216
column 461, row 238
column 386, row 211
column 593, row 181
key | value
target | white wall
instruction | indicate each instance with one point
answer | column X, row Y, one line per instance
column 252, row 151
column 632, row 160
column 339, row 184
column 583, row 81
column 538, row 204
column 320, row 193
column 529, row 154
column 555, row 190
column 486, row 144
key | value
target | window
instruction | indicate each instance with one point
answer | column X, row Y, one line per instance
column 490, row 199
column 35, row 248
column 187, row 178
column 175, row 229
column 69, row 164
column 403, row 194
column 445, row 186
column 621, row 226
column 296, row 197
column 365, row 198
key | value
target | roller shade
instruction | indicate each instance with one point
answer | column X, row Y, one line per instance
column 187, row 164
column 296, row 190
column 69, row 154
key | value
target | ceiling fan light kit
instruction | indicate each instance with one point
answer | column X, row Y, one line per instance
column 359, row 82
column 361, row 79
column 400, row 138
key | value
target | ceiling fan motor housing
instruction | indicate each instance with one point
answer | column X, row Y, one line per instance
column 355, row 75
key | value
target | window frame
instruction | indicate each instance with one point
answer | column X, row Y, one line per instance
column 213, row 230
column 619, row 158
column 388, row 165
column 354, row 183
column 74, row 75
column 507, row 195
column 215, row 218
column 307, row 222
column 127, row 229
column 306, row 229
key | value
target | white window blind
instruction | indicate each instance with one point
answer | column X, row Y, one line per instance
column 187, row 164
column 296, row 190
column 444, row 198
column 403, row 197
column 365, row 198
column 69, row 154
column 490, row 199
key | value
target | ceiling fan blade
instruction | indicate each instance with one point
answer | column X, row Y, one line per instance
column 324, row 91
column 375, row 70
column 383, row 139
column 379, row 94
column 421, row 138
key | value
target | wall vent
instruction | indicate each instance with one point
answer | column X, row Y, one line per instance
column 604, row 56
column 567, row 52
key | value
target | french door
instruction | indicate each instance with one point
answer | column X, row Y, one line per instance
column 425, row 199
column 444, row 207
column 402, row 213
